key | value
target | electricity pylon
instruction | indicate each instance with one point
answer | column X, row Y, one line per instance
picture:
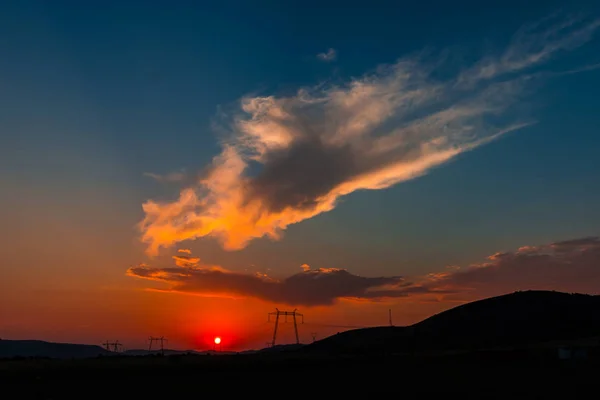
column 161, row 339
column 115, row 346
column 277, row 313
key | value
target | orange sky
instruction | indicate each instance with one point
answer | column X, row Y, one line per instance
column 110, row 168
column 131, row 314
column 65, row 281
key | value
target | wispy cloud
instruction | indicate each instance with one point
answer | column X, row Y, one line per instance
column 171, row 177
column 328, row 56
column 570, row 266
column 530, row 47
column 288, row 159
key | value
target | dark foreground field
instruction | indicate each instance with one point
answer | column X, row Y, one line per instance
column 500, row 375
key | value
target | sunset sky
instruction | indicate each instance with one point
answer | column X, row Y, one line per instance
column 177, row 169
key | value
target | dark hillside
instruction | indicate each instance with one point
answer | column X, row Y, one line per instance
column 516, row 319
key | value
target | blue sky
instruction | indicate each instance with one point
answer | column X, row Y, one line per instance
column 95, row 95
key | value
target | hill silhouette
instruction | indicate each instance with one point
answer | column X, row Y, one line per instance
column 43, row 349
column 40, row 348
column 516, row 319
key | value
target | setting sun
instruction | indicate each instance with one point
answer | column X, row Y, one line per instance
column 217, row 340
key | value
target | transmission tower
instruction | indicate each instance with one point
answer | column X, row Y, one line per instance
column 314, row 336
column 115, row 346
column 285, row 314
column 390, row 312
column 161, row 339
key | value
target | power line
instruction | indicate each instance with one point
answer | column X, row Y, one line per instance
column 338, row 326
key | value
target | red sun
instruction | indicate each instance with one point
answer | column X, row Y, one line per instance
column 217, row 340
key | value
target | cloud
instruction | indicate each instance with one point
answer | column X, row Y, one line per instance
column 186, row 261
column 290, row 158
column 330, row 55
column 312, row 287
column 569, row 266
column 186, row 251
column 171, row 177
column 529, row 48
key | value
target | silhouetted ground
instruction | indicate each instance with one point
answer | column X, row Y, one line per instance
column 516, row 319
column 500, row 375
column 500, row 348
column 40, row 348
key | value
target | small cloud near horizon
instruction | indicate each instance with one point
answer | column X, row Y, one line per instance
column 328, row 56
column 569, row 266
column 311, row 287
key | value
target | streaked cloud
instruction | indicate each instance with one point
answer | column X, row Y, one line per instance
column 290, row 158
column 311, row 287
column 171, row 177
column 530, row 47
column 569, row 266
column 186, row 261
column 328, row 56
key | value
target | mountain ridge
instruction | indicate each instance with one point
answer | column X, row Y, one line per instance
column 515, row 319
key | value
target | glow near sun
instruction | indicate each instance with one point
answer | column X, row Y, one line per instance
column 217, row 340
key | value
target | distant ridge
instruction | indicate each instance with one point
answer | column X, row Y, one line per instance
column 167, row 352
column 516, row 319
column 40, row 348
column 43, row 349
column 280, row 348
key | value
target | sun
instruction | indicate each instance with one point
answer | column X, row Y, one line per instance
column 217, row 340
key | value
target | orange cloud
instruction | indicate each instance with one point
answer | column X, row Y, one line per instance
column 186, row 261
column 311, row 148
